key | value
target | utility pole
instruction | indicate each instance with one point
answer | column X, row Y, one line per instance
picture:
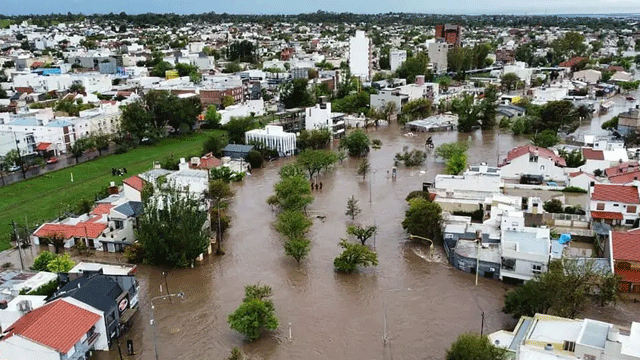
column 24, row 173
column 15, row 232
column 164, row 275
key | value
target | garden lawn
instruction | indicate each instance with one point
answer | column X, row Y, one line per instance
column 41, row 199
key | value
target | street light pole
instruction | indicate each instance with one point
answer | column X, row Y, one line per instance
column 477, row 259
column 153, row 321
column 411, row 236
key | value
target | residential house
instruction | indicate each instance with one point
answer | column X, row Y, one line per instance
column 132, row 188
column 547, row 337
column 594, row 160
column 103, row 293
column 13, row 282
column 533, row 160
column 629, row 121
column 467, row 192
column 614, row 204
column 624, row 252
column 86, row 228
column 64, row 329
column 237, row 151
column 12, row 311
column 525, row 251
column 582, row 180
column 589, row 76
column 622, row 168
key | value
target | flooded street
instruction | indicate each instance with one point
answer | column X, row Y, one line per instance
column 331, row 315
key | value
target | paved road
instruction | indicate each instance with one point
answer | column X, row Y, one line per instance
column 10, row 178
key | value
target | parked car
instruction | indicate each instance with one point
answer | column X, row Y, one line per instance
column 52, row 160
column 13, row 168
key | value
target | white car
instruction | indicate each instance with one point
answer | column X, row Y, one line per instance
column 13, row 168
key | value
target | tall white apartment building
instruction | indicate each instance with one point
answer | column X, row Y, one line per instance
column 438, row 56
column 396, row 58
column 360, row 60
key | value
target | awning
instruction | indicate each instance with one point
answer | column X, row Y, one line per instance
column 43, row 146
column 127, row 315
column 606, row 215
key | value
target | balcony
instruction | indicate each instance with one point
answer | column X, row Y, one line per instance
column 82, row 348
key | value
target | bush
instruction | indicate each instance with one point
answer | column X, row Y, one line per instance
column 226, row 174
column 553, row 206
column 357, row 143
column 134, row 253
column 418, row 194
column 574, row 189
column 45, row 290
column 214, row 144
column 255, row 159
column 41, row 262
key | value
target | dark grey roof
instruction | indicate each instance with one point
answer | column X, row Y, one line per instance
column 130, row 208
column 98, row 291
column 238, row 148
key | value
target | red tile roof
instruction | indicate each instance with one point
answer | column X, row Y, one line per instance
column 580, row 172
column 606, row 215
column 615, row 193
column 626, row 245
column 528, row 149
column 135, row 182
column 88, row 229
column 209, row 161
column 571, row 62
column 625, row 178
column 101, row 209
column 58, row 325
column 591, row 154
column 622, row 168
column 43, row 146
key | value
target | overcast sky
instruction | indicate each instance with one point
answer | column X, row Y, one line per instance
column 471, row 7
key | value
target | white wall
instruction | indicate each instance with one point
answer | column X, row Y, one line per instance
column 19, row 348
column 522, row 166
column 611, row 206
column 242, row 110
column 396, row 58
column 317, row 118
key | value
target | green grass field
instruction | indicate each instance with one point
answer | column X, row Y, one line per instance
column 4, row 23
column 40, row 199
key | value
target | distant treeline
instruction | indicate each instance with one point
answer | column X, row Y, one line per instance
column 477, row 21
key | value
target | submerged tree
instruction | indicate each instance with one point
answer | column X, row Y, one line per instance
column 362, row 233
column 352, row 208
column 354, row 255
column 255, row 314
column 297, row 248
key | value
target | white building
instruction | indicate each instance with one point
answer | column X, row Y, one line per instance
column 547, row 337
column 533, row 160
column 360, row 60
column 396, row 58
column 589, row 76
column 438, row 56
column 614, row 204
column 525, row 251
column 273, row 137
column 255, row 107
column 29, row 132
column 69, row 329
column 321, row 117
column 466, row 192
column 521, row 70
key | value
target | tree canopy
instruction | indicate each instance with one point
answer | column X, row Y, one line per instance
column 316, row 160
column 255, row 314
column 474, row 347
column 295, row 94
column 356, row 142
column 170, row 228
column 354, row 255
column 423, row 218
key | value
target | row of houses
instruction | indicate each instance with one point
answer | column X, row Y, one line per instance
column 90, row 309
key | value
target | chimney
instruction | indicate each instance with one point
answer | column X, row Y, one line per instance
column 183, row 164
column 113, row 189
column 420, row 80
column 3, row 304
column 156, row 165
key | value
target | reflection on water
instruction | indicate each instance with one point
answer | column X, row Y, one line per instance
column 332, row 316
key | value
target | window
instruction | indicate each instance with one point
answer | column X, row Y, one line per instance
column 448, row 236
column 629, row 222
column 600, row 206
column 631, row 209
column 536, row 269
column 589, row 357
column 616, row 205
column 508, row 264
column 569, row 346
column 118, row 224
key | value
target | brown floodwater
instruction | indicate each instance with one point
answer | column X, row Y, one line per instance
column 329, row 315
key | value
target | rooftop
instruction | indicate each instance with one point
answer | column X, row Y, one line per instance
column 615, row 193
column 58, row 325
column 530, row 149
column 626, row 245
